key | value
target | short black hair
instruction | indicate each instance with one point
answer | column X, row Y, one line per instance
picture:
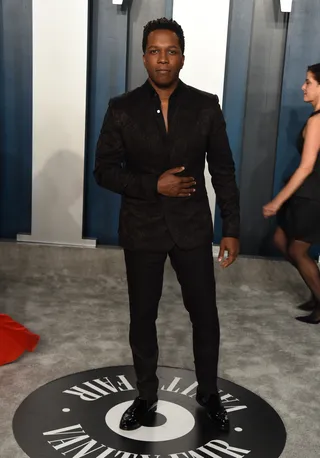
column 163, row 24
column 315, row 70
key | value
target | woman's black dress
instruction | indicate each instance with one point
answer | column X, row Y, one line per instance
column 299, row 217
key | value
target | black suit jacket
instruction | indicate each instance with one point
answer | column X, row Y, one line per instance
column 134, row 149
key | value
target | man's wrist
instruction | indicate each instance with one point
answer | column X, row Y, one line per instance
column 232, row 236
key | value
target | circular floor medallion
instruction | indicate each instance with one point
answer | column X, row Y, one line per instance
column 78, row 415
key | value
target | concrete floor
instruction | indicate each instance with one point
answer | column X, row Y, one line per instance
column 76, row 300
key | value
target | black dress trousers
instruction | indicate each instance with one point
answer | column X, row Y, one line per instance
column 195, row 273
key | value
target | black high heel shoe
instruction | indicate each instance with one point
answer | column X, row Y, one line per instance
column 313, row 318
column 308, row 306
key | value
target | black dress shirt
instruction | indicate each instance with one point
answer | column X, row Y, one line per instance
column 134, row 149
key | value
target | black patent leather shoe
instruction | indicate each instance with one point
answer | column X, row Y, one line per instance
column 133, row 417
column 215, row 411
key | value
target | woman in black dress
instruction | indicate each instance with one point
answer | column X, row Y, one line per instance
column 298, row 203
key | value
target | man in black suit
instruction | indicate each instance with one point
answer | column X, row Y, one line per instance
column 152, row 150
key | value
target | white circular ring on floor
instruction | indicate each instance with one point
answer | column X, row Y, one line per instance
column 179, row 423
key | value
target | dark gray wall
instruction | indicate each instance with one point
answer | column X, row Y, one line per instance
column 236, row 78
column 15, row 117
column 265, row 72
column 108, row 26
column 253, row 82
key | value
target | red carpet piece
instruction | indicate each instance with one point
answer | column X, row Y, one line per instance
column 15, row 339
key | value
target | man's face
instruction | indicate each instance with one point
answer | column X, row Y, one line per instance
column 163, row 58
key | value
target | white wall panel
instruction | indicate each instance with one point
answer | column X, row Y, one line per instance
column 60, row 35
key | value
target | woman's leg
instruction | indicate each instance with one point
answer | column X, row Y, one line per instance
column 308, row 269
column 282, row 243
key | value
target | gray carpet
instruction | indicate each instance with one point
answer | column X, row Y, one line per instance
column 76, row 300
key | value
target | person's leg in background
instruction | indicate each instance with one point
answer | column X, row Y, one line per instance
column 309, row 271
column 282, row 243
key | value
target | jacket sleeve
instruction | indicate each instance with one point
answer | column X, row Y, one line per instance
column 222, row 171
column 110, row 171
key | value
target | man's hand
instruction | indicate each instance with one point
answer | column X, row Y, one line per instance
column 231, row 245
column 172, row 186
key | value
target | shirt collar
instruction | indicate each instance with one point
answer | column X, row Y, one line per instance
column 153, row 93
